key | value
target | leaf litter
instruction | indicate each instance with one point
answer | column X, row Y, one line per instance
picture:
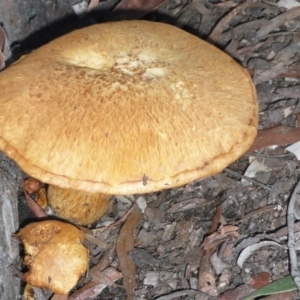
column 177, row 247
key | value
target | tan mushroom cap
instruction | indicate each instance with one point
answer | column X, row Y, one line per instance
column 126, row 107
column 55, row 255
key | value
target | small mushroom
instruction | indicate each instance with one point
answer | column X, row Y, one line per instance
column 126, row 107
column 55, row 255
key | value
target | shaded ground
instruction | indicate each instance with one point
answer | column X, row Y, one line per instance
column 170, row 242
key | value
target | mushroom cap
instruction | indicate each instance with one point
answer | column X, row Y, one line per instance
column 55, row 255
column 126, row 107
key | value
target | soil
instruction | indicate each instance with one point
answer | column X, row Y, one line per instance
column 247, row 202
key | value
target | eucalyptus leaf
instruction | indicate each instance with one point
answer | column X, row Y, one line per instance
column 284, row 284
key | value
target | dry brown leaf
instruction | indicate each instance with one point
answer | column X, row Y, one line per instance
column 278, row 21
column 85, row 292
column 216, row 236
column 92, row 289
column 212, row 241
column 255, row 213
column 259, row 280
column 97, row 241
column 125, row 243
column 281, row 296
column 193, row 203
column 256, row 282
column 206, row 279
column 279, row 135
column 139, row 5
column 99, row 277
column 35, row 208
column 216, row 220
column 106, row 259
column 224, row 23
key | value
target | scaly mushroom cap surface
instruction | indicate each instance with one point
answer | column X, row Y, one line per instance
column 55, row 255
column 126, row 107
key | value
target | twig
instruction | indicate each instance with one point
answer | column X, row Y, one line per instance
column 120, row 221
column 291, row 234
column 280, row 135
column 177, row 294
column 224, row 23
column 255, row 212
column 248, row 179
column 270, row 156
column 279, row 21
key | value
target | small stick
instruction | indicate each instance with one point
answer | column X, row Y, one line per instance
column 279, row 21
column 264, row 186
column 224, row 23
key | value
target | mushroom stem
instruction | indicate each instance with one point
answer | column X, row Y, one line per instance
column 79, row 207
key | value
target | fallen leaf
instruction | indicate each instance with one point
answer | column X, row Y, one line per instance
column 35, row 208
column 216, row 220
column 284, row 284
column 280, row 296
column 206, row 278
column 280, row 135
column 187, row 204
column 106, row 259
column 278, row 21
column 100, row 277
column 241, row 291
column 95, row 240
column 223, row 233
column 224, row 23
column 255, row 212
column 125, row 243
column 92, row 289
column 259, row 280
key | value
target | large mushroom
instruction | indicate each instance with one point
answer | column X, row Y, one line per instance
column 126, row 107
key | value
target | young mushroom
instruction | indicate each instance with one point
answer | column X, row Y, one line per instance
column 126, row 107
column 55, row 255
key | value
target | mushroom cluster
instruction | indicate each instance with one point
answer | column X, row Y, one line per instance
column 125, row 107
